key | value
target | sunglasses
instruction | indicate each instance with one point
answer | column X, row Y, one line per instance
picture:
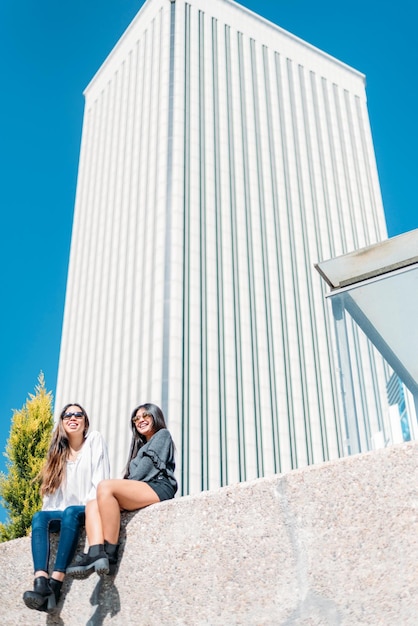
column 77, row 415
column 137, row 418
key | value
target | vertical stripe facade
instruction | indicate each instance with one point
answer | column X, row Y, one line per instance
column 221, row 158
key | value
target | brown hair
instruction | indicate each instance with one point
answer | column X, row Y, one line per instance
column 53, row 472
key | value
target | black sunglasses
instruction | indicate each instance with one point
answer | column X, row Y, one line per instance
column 78, row 415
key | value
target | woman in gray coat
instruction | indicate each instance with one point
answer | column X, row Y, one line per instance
column 149, row 478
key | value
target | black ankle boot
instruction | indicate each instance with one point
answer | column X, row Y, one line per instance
column 112, row 551
column 95, row 560
column 42, row 598
column 56, row 588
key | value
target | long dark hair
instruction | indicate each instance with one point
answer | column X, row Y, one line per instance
column 53, row 472
column 138, row 440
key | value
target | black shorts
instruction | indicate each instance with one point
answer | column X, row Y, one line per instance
column 162, row 487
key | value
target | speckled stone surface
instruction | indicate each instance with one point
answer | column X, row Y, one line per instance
column 331, row 544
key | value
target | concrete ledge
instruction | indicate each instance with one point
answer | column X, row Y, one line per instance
column 331, row 544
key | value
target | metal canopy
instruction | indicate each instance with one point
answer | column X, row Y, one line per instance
column 380, row 258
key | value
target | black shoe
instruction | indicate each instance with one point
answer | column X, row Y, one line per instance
column 42, row 598
column 95, row 560
column 112, row 551
column 56, row 588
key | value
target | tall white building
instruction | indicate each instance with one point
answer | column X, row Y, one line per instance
column 221, row 158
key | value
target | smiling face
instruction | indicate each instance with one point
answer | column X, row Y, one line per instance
column 73, row 420
column 144, row 423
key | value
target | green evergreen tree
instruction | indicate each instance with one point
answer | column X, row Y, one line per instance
column 26, row 451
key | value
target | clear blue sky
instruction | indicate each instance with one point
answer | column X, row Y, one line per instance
column 49, row 51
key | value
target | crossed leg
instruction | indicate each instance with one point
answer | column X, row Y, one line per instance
column 119, row 494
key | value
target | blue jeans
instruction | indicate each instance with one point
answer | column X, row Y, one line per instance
column 68, row 524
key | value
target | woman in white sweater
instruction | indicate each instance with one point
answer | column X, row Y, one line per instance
column 77, row 461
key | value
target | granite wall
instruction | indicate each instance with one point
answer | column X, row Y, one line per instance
column 335, row 543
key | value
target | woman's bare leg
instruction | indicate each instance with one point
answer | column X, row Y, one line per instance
column 114, row 495
column 95, row 559
column 94, row 528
